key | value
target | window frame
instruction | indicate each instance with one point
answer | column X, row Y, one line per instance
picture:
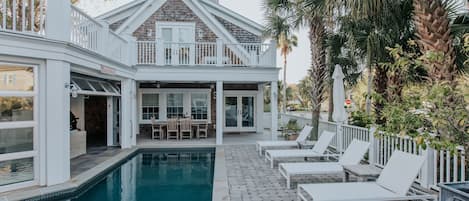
column 34, row 153
column 142, row 107
column 163, row 92
column 207, row 96
column 176, row 106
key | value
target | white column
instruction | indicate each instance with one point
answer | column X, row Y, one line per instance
column 135, row 126
column 57, row 132
column 58, row 20
column 220, row 115
column 126, row 110
column 274, row 108
column 260, row 108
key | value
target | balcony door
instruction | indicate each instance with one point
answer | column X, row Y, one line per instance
column 178, row 41
column 240, row 113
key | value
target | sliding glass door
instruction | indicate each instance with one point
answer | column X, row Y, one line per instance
column 239, row 113
column 18, row 125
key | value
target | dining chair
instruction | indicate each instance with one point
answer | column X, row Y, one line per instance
column 202, row 131
column 156, row 130
column 172, row 129
column 186, row 128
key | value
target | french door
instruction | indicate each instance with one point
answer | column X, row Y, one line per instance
column 240, row 113
column 179, row 42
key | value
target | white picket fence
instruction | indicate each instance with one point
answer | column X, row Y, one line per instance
column 23, row 16
column 440, row 166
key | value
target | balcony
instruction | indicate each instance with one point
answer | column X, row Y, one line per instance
column 162, row 53
column 31, row 17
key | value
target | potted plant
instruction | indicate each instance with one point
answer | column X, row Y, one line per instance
column 291, row 129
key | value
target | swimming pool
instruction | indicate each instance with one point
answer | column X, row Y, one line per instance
column 163, row 175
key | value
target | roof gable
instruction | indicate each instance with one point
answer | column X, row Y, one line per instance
column 174, row 11
column 199, row 9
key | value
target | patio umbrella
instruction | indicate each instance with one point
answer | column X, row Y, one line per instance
column 339, row 114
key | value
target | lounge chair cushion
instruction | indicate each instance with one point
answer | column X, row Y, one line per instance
column 347, row 191
column 277, row 143
column 400, row 172
column 354, row 152
column 312, row 168
column 293, row 153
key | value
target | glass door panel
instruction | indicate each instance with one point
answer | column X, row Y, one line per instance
column 247, row 117
column 167, row 36
column 231, row 112
column 116, row 120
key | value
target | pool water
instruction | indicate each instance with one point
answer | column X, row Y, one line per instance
column 169, row 175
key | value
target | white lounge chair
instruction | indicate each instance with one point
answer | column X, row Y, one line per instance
column 352, row 156
column 393, row 184
column 264, row 145
column 317, row 151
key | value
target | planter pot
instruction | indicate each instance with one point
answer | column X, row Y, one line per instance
column 292, row 137
column 454, row 191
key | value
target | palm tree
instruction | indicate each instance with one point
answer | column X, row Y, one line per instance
column 286, row 46
column 434, row 38
column 372, row 26
column 313, row 14
column 279, row 28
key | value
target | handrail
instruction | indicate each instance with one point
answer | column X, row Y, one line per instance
column 202, row 53
column 25, row 16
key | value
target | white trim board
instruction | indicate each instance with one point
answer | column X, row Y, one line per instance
column 207, row 74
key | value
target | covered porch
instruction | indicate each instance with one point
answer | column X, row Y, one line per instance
column 195, row 112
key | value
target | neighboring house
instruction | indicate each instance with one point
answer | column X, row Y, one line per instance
column 147, row 59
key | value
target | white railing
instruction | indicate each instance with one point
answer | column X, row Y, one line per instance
column 204, row 53
column 440, row 166
column 85, row 30
column 88, row 33
column 23, row 16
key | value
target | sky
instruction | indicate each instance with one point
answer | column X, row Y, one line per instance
column 298, row 60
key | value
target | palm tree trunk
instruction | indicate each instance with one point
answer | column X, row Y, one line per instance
column 331, row 83
column 380, row 83
column 434, row 36
column 285, row 85
column 318, row 71
column 331, row 102
column 368, row 90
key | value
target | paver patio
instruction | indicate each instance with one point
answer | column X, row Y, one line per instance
column 250, row 178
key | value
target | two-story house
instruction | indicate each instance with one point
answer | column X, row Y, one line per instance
column 147, row 61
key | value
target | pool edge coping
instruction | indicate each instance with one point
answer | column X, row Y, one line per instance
column 220, row 182
column 220, row 190
column 73, row 184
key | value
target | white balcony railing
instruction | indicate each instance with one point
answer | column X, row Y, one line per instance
column 205, row 53
column 23, row 16
column 93, row 35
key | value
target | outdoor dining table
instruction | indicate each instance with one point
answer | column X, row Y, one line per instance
column 195, row 125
